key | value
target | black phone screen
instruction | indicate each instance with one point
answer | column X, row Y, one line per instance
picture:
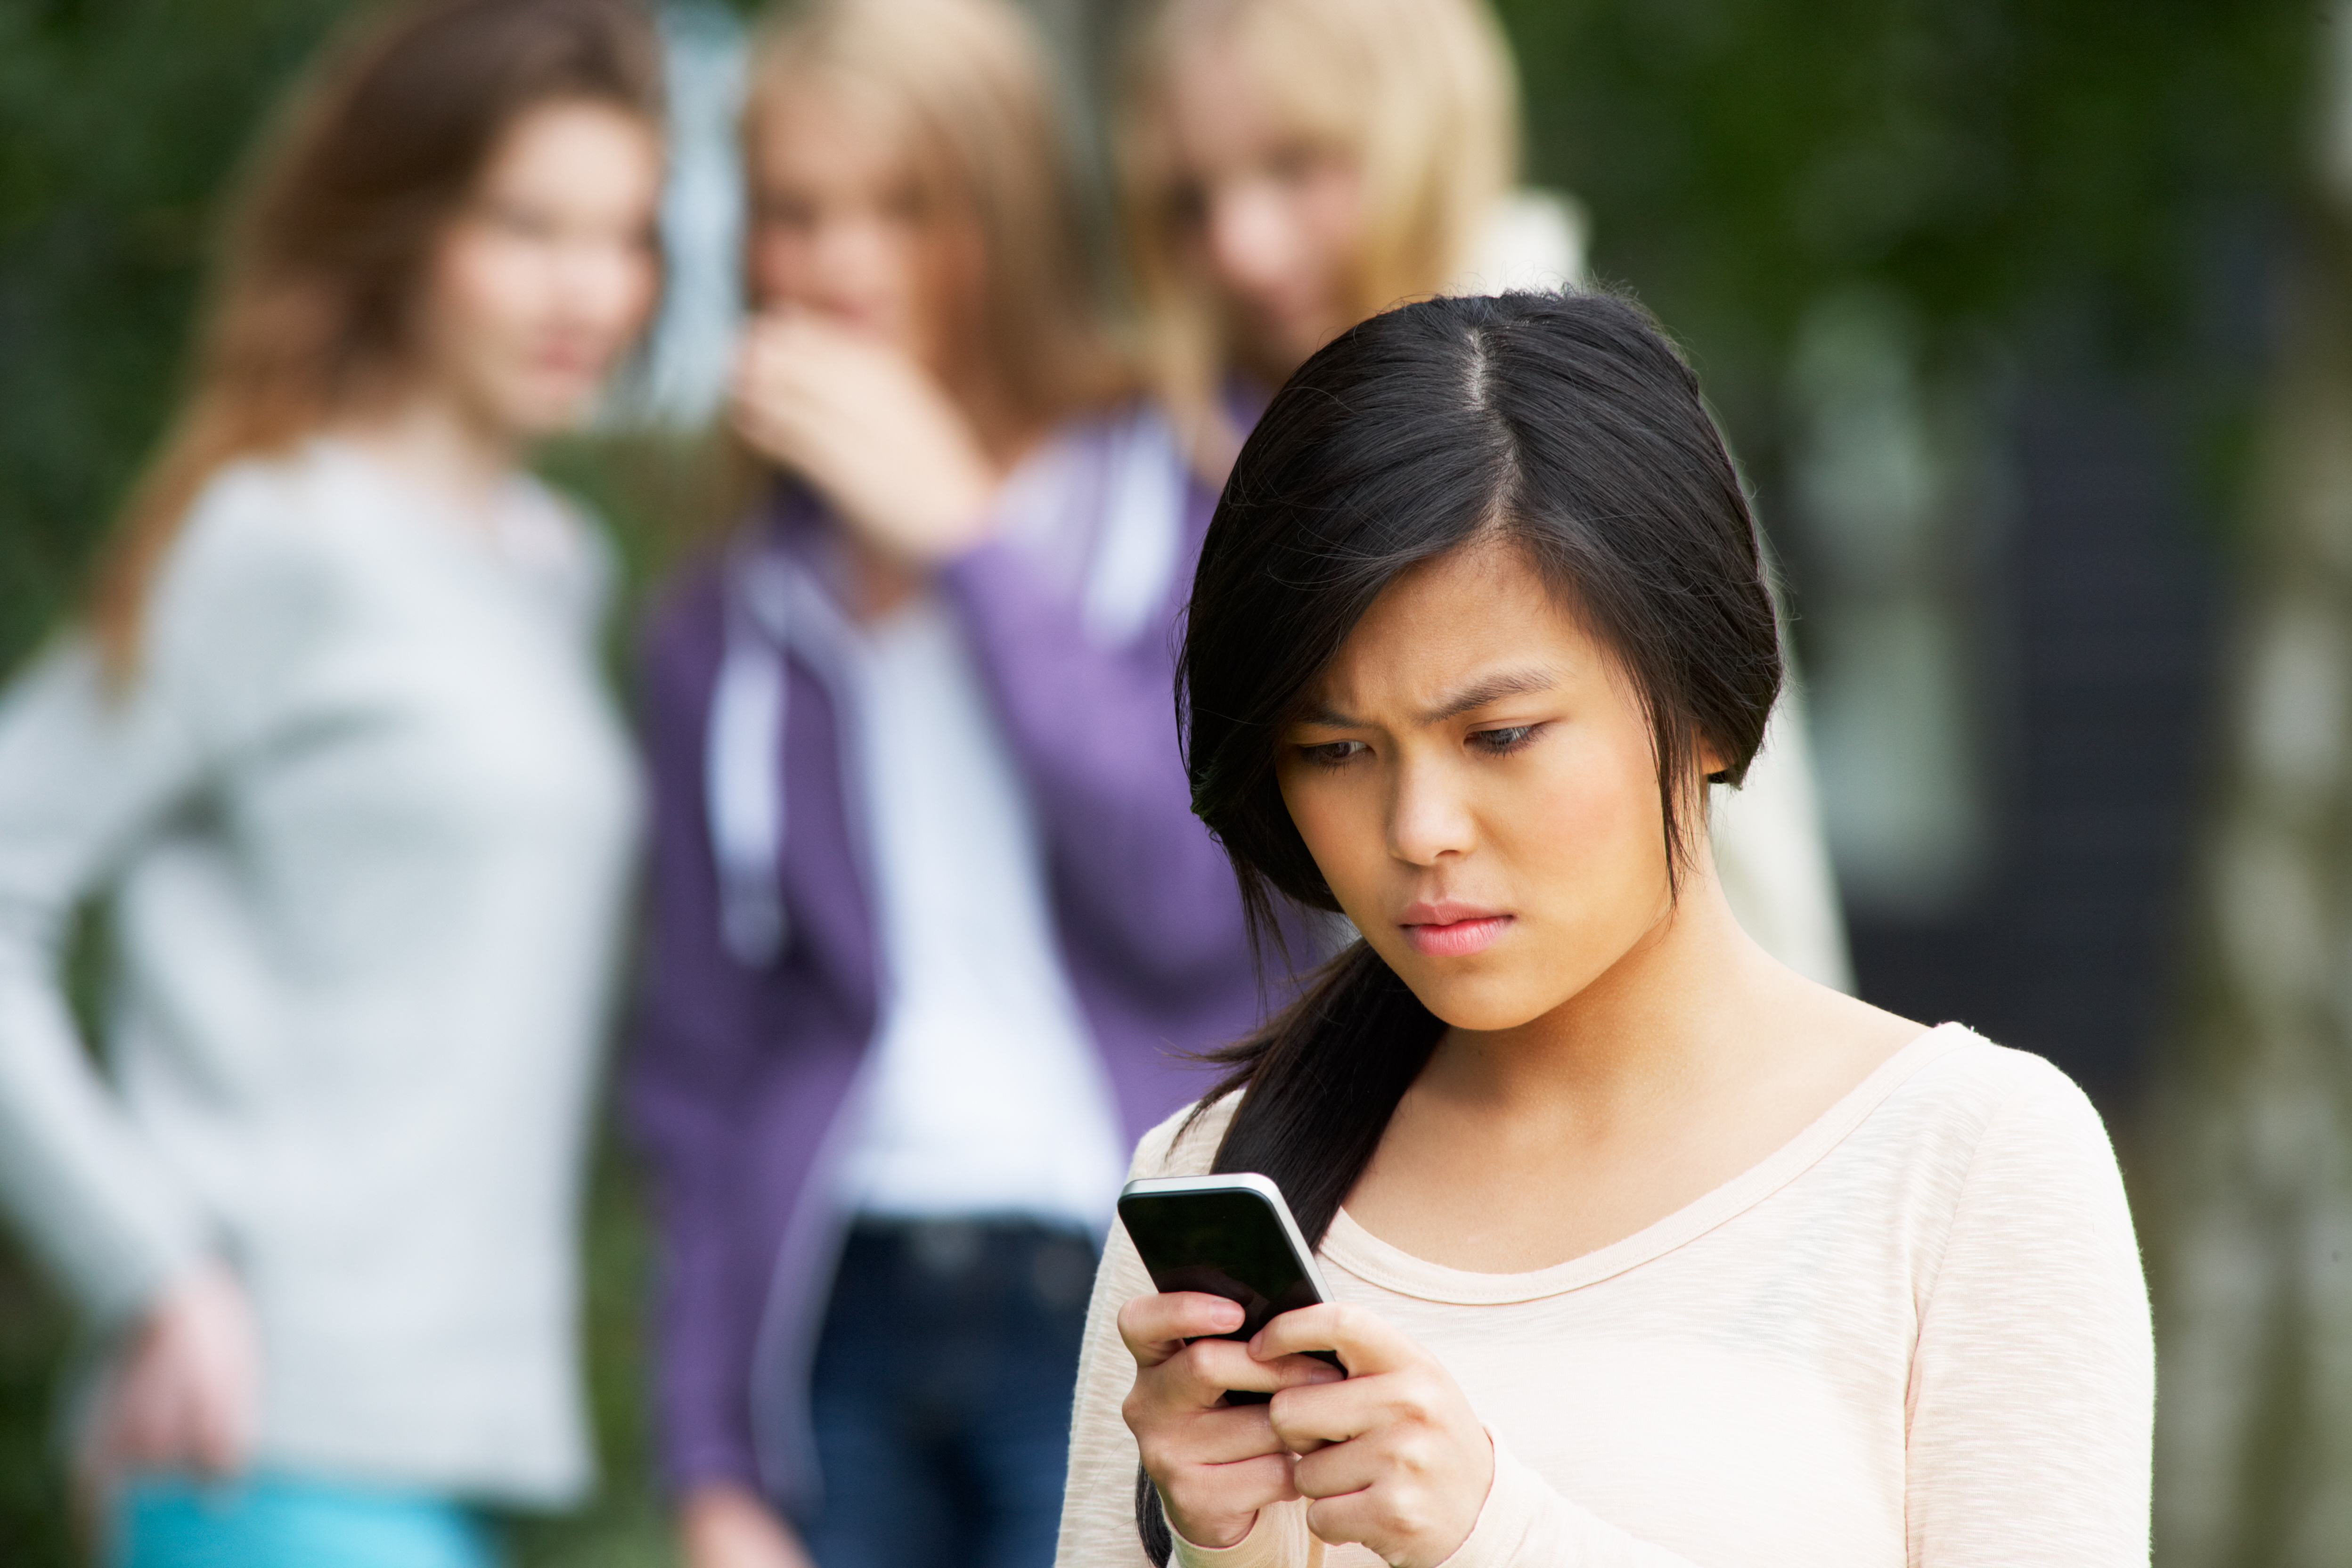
column 1224, row 1244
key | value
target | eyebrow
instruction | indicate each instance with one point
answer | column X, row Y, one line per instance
column 1465, row 699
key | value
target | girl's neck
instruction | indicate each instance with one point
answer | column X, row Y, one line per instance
column 1668, row 1016
column 437, row 445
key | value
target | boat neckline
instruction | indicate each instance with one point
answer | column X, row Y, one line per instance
column 1368, row 1257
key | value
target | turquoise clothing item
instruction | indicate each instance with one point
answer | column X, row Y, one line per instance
column 283, row 1521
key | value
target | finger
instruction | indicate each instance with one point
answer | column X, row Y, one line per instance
column 140, row 1417
column 1367, row 1345
column 1154, row 1327
column 1236, row 1489
column 1338, row 1469
column 1344, row 1518
column 1310, row 1415
column 1230, row 1435
column 216, row 1427
column 1253, row 1483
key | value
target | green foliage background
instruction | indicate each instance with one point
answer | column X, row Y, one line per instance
column 2040, row 178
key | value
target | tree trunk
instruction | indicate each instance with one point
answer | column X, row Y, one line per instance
column 2248, row 1160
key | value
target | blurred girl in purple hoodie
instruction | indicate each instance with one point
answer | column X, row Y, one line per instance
column 931, row 920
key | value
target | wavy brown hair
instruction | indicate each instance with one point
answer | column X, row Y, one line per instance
column 331, row 232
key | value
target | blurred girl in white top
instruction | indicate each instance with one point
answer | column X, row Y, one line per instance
column 329, row 740
column 1289, row 167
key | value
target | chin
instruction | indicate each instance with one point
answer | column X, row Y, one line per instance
column 1482, row 1001
column 538, row 413
column 1489, row 1012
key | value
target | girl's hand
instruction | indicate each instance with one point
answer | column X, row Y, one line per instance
column 726, row 1526
column 1394, row 1457
column 185, row 1394
column 1215, row 1464
column 870, row 429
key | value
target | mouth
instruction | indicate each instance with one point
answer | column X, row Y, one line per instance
column 1451, row 930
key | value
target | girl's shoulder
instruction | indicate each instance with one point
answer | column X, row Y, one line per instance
column 1977, row 1122
column 1967, row 1085
column 1186, row 1144
column 261, row 538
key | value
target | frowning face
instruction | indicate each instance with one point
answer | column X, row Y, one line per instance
column 1475, row 778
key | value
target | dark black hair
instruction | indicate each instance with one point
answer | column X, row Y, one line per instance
column 1564, row 425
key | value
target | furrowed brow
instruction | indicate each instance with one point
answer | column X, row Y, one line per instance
column 1323, row 716
column 1493, row 688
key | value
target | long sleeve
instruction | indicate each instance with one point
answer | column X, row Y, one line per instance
column 1095, row 730
column 1098, row 1499
column 81, row 773
column 87, row 771
column 683, row 1084
column 2032, row 1389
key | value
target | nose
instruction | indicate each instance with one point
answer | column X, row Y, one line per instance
column 1430, row 815
column 1250, row 244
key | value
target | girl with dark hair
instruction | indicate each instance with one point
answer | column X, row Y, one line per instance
column 1645, row 1250
column 330, row 742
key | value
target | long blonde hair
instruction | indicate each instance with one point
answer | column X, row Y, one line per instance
column 332, row 231
column 968, row 80
column 1419, row 94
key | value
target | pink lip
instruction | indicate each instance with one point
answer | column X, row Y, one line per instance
column 1451, row 929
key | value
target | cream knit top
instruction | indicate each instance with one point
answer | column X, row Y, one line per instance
column 1917, row 1334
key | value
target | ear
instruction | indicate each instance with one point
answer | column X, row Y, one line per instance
column 1710, row 762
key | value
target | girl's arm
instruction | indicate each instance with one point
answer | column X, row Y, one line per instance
column 1095, row 730
column 1098, row 1498
column 91, row 762
column 84, row 770
column 694, row 1032
column 2032, row 1388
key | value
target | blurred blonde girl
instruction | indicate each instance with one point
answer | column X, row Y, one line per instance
column 931, row 920
column 1289, row 167
column 329, row 739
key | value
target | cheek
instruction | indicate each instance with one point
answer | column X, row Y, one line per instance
column 1330, row 214
column 778, row 266
column 1340, row 820
column 936, row 283
column 1591, row 836
column 488, row 294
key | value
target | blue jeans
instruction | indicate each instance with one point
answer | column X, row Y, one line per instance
column 940, row 1394
column 284, row 1521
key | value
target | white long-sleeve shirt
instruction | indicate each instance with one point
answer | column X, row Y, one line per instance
column 1915, row 1335
column 364, row 817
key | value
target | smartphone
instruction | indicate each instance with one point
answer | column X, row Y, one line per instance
column 1228, row 1236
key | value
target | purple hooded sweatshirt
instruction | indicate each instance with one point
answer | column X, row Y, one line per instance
column 742, row 1067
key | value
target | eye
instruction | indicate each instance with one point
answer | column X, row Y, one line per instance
column 1294, row 165
column 521, row 219
column 1502, row 742
column 783, row 212
column 1332, row 754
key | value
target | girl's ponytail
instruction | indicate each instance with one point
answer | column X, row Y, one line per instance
column 1317, row 1085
